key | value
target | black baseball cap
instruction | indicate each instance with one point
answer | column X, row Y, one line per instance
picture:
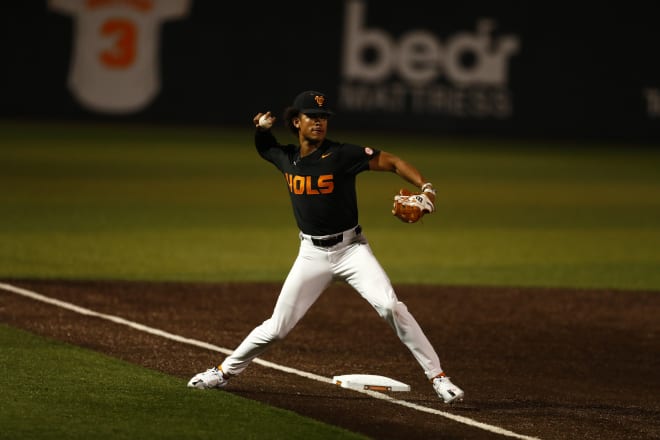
column 311, row 102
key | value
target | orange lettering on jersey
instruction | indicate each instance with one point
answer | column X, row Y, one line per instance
column 289, row 181
column 325, row 184
column 310, row 190
column 306, row 184
column 298, row 184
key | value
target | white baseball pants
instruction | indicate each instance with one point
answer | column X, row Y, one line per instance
column 353, row 261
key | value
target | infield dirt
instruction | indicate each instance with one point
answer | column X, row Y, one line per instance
column 548, row 363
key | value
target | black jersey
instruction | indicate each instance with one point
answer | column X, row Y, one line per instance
column 322, row 184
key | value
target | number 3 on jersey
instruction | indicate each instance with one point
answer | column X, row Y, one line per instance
column 122, row 53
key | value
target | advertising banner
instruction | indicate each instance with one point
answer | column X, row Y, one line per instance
column 476, row 67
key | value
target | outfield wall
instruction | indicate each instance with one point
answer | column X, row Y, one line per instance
column 473, row 67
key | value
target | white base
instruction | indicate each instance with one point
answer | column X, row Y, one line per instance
column 369, row 382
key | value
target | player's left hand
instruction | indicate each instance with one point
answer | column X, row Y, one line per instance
column 409, row 207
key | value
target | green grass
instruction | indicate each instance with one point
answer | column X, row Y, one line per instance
column 51, row 390
column 191, row 203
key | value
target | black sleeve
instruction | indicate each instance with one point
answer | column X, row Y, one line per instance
column 357, row 157
column 265, row 141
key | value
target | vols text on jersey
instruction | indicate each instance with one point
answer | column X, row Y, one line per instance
column 310, row 185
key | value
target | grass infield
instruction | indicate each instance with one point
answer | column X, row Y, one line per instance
column 199, row 204
column 52, row 390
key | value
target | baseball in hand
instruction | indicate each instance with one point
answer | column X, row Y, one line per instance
column 265, row 122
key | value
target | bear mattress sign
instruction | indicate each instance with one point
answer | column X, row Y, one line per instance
column 115, row 58
column 421, row 74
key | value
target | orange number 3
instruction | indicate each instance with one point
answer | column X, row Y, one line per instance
column 122, row 54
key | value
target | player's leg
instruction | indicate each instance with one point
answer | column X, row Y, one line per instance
column 307, row 279
column 360, row 268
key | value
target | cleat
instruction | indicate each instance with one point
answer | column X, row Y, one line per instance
column 211, row 378
column 446, row 390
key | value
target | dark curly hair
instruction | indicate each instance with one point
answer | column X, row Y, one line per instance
column 289, row 114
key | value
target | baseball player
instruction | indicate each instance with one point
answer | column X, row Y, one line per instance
column 320, row 177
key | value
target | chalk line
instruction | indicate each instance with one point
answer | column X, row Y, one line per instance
column 201, row 344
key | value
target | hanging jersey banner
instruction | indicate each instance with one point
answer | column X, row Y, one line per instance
column 114, row 66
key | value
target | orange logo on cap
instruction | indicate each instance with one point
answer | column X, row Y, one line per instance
column 319, row 100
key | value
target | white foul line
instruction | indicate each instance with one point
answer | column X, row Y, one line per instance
column 206, row 345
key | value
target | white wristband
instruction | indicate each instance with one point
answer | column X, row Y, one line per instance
column 428, row 188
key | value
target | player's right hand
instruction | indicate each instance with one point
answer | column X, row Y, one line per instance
column 269, row 118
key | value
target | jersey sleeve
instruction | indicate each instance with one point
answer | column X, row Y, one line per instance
column 173, row 8
column 270, row 149
column 65, row 5
column 356, row 158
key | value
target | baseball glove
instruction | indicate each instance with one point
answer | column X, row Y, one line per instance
column 409, row 207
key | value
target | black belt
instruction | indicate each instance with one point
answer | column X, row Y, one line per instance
column 331, row 241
